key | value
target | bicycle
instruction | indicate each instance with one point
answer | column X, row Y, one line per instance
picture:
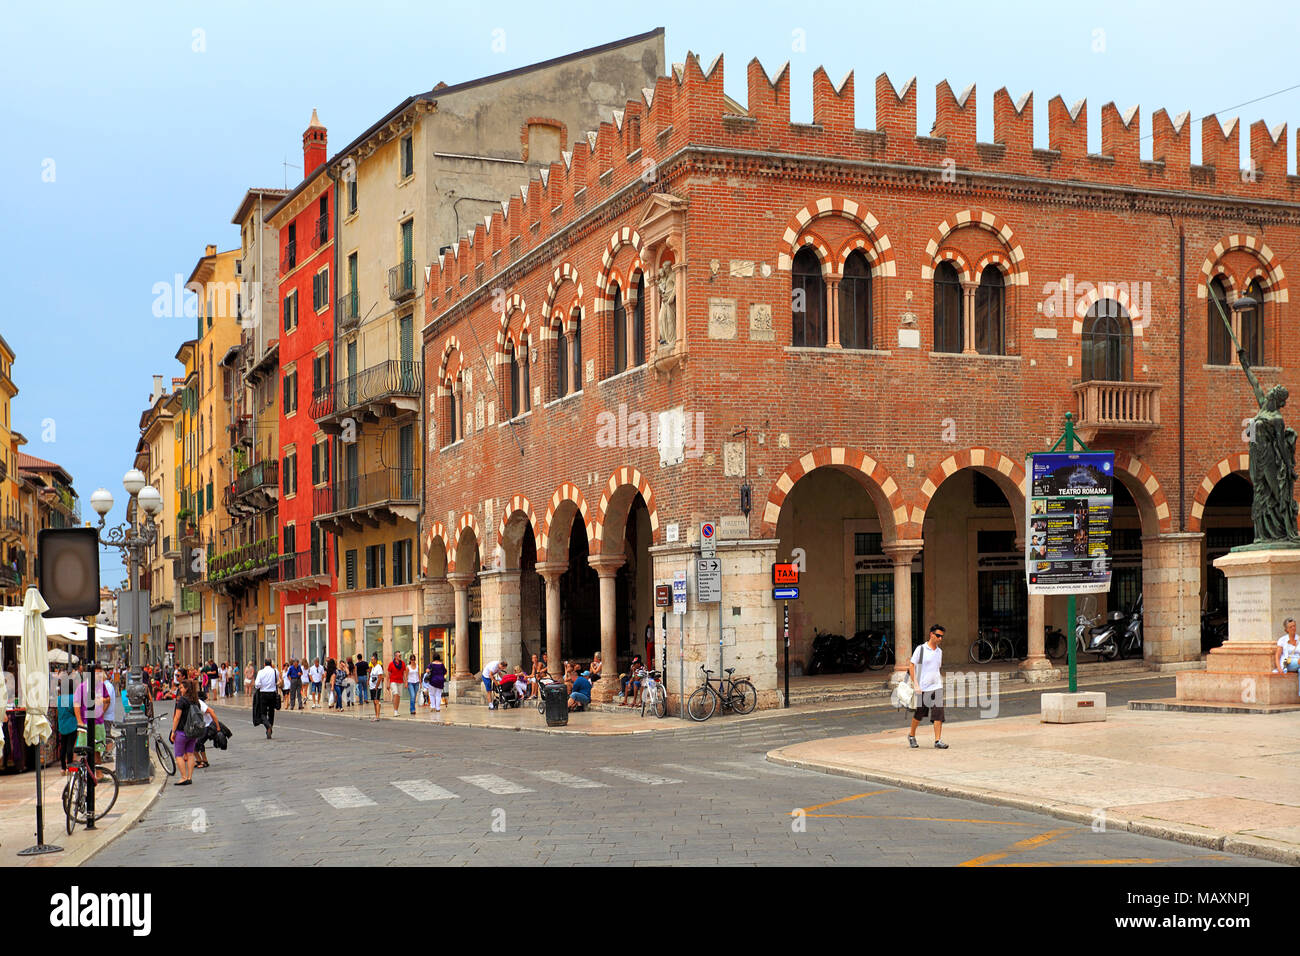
column 988, row 648
column 736, row 695
column 880, row 652
column 653, row 696
column 74, row 791
column 162, row 749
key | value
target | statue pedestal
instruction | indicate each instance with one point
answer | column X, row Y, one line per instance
column 1263, row 591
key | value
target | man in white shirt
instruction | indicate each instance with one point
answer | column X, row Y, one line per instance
column 1288, row 649
column 490, row 670
column 928, row 659
column 264, row 692
column 315, row 676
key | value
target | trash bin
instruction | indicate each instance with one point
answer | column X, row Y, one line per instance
column 555, row 697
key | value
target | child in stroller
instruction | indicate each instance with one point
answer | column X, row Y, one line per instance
column 506, row 691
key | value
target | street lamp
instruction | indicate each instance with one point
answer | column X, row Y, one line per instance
column 134, row 540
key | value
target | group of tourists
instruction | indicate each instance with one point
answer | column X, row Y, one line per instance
column 348, row 683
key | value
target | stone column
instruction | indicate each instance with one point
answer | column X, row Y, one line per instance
column 460, row 582
column 606, row 566
column 500, row 615
column 1036, row 668
column 968, row 290
column 901, row 553
column 1171, row 584
column 551, row 572
column 833, row 313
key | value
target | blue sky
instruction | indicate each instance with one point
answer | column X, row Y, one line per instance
column 154, row 121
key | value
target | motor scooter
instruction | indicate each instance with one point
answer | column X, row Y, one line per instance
column 1093, row 637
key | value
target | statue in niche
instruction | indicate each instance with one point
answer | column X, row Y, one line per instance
column 667, row 307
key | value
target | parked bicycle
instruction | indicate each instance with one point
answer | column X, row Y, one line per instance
column 654, row 699
column 991, row 646
column 731, row 694
column 79, row 783
column 162, row 749
column 880, row 650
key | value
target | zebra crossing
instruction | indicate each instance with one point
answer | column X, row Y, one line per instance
column 426, row 791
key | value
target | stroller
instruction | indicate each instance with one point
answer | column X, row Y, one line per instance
column 505, row 692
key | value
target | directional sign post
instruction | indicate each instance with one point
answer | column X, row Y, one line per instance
column 784, row 579
column 785, row 594
column 708, row 580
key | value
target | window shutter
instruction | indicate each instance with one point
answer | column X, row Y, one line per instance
column 315, row 464
column 352, row 570
column 284, row 475
column 380, row 561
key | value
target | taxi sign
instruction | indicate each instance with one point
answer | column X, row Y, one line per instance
column 785, row 574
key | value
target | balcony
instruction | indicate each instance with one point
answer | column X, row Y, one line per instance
column 401, row 280
column 347, row 313
column 11, row 529
column 1117, row 407
column 381, row 497
column 241, row 431
column 289, row 260
column 382, row 391
column 320, row 234
column 261, row 366
column 243, row 567
column 304, row 571
column 256, row 489
column 4, row 469
column 9, row 579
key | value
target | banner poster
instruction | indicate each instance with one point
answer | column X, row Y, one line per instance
column 1067, row 545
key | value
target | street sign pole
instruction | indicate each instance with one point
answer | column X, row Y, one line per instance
column 1069, row 439
column 787, row 652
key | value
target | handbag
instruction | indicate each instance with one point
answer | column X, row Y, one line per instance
column 904, row 695
column 278, row 699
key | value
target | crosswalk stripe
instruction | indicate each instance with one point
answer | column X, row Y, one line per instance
column 720, row 774
column 494, row 784
column 650, row 779
column 773, row 771
column 345, row 798
column 264, row 808
column 566, row 779
column 423, row 790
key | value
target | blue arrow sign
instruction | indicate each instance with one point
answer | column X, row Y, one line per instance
column 785, row 594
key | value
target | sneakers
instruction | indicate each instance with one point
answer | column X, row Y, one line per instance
column 911, row 741
column 940, row 745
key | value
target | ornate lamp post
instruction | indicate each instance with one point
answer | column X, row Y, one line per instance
column 134, row 541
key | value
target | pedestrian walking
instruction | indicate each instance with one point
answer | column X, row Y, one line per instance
column 340, row 686
column 295, row 683
column 316, row 675
column 363, row 679
column 187, row 730
column 249, row 674
column 265, row 697
column 211, row 727
column 924, row 669
column 435, row 674
column 396, row 678
column 375, row 683
column 330, row 669
column 412, row 682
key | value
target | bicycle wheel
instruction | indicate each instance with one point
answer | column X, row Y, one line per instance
column 981, row 652
column 166, row 759
column 70, row 818
column 1006, row 649
column 876, row 657
column 744, row 698
column 661, row 703
column 702, row 703
column 105, row 794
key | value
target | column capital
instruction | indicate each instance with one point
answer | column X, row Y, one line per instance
column 461, row 580
column 903, row 550
column 606, row 565
column 551, row 570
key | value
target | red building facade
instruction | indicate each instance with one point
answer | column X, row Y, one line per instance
column 867, row 330
column 307, row 226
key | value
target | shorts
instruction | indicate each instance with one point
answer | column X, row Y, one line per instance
column 931, row 706
column 487, row 685
column 315, row 687
column 183, row 745
column 99, row 737
column 580, row 698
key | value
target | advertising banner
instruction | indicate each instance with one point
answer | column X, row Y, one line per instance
column 1067, row 541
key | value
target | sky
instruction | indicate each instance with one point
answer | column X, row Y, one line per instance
column 133, row 130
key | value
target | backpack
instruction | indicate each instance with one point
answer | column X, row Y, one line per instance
column 193, row 727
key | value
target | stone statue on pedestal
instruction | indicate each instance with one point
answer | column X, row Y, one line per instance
column 1272, row 465
column 667, row 307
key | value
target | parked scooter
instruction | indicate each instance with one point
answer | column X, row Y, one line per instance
column 1130, row 642
column 827, row 655
column 1093, row 637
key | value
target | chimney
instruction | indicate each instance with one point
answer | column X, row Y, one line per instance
column 313, row 146
column 157, row 389
column 209, row 250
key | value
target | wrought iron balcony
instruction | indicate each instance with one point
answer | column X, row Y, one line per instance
column 11, row 529
column 350, row 504
column 304, row 570
column 256, row 488
column 321, row 233
column 381, row 391
column 322, row 402
column 290, row 258
column 260, row 366
column 401, row 280
column 9, row 578
column 241, row 430
column 346, row 315
column 1117, row 407
column 237, row 569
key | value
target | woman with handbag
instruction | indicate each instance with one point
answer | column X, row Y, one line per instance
column 187, row 730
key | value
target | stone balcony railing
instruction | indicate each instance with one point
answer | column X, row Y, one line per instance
column 1117, row 407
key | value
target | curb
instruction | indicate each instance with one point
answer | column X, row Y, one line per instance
column 1255, row 847
column 128, row 820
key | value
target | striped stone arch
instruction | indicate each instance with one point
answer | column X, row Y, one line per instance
column 435, row 532
column 1217, row 270
column 627, row 236
column 1276, row 286
column 1155, row 510
column 956, row 257
column 980, row 219
column 519, row 504
column 994, row 259
column 878, row 248
column 564, row 318
column 847, row 459
column 451, row 345
column 466, row 520
column 1222, row 469
column 624, row 477
column 1259, row 272
column 515, row 303
column 567, row 491
column 977, row 457
column 1108, row 290
column 810, row 237
column 564, row 272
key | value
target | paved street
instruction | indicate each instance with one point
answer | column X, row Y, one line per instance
column 332, row 792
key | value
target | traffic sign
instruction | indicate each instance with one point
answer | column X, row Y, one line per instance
column 785, row 594
column 708, row 539
column 679, row 592
column 708, row 580
column 785, row 574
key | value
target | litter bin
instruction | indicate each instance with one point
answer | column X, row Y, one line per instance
column 555, row 699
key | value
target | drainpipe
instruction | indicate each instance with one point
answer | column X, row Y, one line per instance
column 1182, row 381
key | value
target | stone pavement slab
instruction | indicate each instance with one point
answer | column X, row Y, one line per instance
column 1222, row 781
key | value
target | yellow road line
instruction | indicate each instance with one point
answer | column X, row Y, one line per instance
column 1029, row 843
column 856, row 796
column 874, row 816
column 1134, row 861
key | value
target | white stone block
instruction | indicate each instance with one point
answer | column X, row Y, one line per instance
column 1078, row 708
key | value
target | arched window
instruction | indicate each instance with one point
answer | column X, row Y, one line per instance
column 514, row 379
column 807, row 300
column 948, row 329
column 1107, row 343
column 1219, row 349
column 638, row 322
column 453, row 415
column 855, row 302
column 575, row 348
column 620, row 332
column 1252, row 325
column 990, row 308
column 562, row 361
column 526, row 399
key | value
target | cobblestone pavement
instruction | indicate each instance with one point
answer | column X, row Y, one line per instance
column 330, row 793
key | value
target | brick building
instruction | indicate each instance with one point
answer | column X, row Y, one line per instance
column 867, row 328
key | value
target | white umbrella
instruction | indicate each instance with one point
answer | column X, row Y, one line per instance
column 36, row 669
